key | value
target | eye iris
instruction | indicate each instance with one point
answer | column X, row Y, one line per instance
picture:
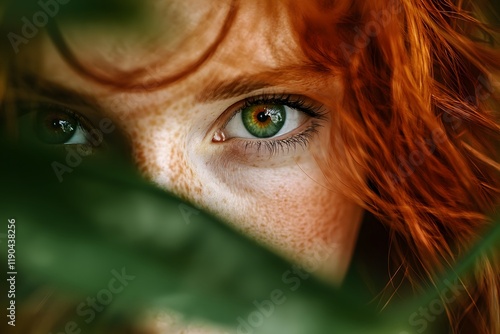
column 55, row 127
column 264, row 121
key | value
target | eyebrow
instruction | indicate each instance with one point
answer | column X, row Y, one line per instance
column 226, row 89
column 245, row 84
column 36, row 87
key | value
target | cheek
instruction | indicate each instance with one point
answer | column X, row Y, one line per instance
column 289, row 209
column 162, row 158
column 160, row 143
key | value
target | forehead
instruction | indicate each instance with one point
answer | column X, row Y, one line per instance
column 176, row 35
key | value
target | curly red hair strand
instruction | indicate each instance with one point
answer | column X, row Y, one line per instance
column 421, row 124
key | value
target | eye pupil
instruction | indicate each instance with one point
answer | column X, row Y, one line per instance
column 262, row 117
column 55, row 127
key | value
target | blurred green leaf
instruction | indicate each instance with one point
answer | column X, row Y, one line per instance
column 105, row 218
column 111, row 11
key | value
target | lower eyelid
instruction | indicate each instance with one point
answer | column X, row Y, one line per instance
column 284, row 145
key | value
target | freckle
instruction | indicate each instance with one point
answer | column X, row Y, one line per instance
column 197, row 190
column 185, row 106
column 249, row 191
column 172, row 151
column 139, row 157
column 153, row 122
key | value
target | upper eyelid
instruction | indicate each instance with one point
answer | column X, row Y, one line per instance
column 80, row 111
column 86, row 121
column 297, row 101
column 35, row 89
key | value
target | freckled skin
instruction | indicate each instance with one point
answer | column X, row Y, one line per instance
column 283, row 201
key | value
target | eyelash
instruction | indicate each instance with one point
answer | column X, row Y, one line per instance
column 277, row 146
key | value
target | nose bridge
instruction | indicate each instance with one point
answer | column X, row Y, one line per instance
column 158, row 149
column 159, row 140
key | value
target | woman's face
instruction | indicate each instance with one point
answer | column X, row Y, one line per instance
column 243, row 136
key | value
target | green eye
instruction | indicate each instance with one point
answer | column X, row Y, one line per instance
column 264, row 121
column 55, row 127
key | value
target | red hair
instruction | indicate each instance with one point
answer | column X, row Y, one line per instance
column 420, row 124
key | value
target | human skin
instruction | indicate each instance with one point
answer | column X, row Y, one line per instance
column 283, row 200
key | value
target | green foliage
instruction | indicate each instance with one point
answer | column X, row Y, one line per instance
column 83, row 11
column 104, row 216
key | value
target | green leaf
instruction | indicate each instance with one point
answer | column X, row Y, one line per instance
column 104, row 219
